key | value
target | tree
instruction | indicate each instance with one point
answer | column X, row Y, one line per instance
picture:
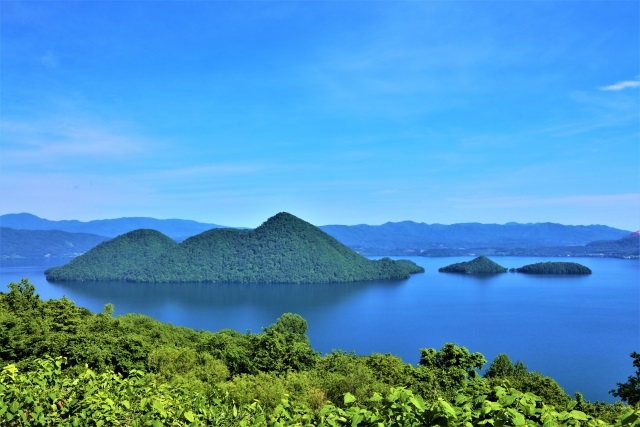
column 283, row 346
column 290, row 323
column 451, row 356
column 22, row 296
column 630, row 390
column 502, row 367
column 446, row 371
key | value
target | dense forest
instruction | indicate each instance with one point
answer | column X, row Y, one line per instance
column 554, row 268
column 479, row 265
column 284, row 249
column 61, row 365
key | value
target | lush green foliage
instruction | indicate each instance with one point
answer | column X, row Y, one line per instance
column 629, row 391
column 554, row 268
column 48, row 397
column 284, row 249
column 64, row 366
column 479, row 265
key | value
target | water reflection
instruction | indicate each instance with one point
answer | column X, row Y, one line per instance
column 557, row 325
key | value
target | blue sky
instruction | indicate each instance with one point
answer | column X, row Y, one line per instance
column 338, row 112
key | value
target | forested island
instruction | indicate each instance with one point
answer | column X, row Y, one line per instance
column 483, row 265
column 561, row 268
column 480, row 265
column 284, row 249
column 62, row 365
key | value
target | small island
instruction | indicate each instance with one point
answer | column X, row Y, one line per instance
column 559, row 268
column 480, row 266
column 284, row 249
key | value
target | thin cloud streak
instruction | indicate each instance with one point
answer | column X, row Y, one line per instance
column 627, row 84
column 47, row 141
column 49, row 59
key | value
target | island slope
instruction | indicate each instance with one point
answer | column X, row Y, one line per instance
column 284, row 249
column 116, row 259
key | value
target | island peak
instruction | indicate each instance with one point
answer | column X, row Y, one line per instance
column 284, row 249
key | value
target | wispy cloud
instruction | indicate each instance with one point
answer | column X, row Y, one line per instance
column 626, row 84
column 49, row 59
column 199, row 172
column 32, row 142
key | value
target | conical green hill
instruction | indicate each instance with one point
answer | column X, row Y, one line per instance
column 283, row 249
column 480, row 265
column 115, row 259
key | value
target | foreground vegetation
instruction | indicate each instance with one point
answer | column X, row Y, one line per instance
column 285, row 249
column 62, row 365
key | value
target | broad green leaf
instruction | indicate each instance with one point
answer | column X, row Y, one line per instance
column 578, row 415
column 417, row 402
column 630, row 419
column 447, row 407
column 516, row 417
column 376, row 397
column 349, row 398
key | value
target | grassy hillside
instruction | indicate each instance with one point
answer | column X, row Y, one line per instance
column 284, row 249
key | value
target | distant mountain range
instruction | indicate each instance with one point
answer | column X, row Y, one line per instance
column 512, row 239
column 401, row 238
column 177, row 229
column 284, row 249
column 408, row 235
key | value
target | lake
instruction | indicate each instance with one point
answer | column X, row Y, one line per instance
column 578, row 330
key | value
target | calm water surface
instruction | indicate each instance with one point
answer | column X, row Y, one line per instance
column 578, row 330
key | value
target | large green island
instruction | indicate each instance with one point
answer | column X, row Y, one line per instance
column 284, row 249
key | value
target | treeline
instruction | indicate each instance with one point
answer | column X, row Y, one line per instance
column 62, row 365
column 284, row 249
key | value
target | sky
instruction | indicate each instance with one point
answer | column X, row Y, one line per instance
column 339, row 112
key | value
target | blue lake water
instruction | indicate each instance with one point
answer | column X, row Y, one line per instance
column 579, row 330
